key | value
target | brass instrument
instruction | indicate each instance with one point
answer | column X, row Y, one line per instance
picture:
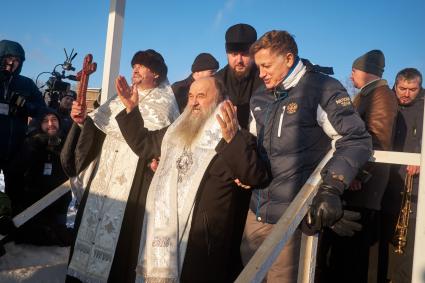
column 400, row 234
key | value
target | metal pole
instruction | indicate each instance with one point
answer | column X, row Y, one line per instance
column 307, row 263
column 111, row 65
column 418, row 273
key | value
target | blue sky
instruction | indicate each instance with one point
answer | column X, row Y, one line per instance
column 328, row 32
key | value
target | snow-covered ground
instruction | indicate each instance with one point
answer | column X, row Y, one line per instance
column 35, row 264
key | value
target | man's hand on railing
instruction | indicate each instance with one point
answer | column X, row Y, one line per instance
column 347, row 225
column 326, row 208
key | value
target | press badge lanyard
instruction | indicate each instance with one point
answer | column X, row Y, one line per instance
column 48, row 167
column 4, row 106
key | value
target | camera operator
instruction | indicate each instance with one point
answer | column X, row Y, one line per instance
column 19, row 99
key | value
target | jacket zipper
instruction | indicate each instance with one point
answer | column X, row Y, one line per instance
column 279, row 131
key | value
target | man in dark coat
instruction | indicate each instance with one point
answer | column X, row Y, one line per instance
column 377, row 106
column 204, row 65
column 240, row 75
column 110, row 212
column 397, row 267
column 35, row 171
column 191, row 209
column 19, row 99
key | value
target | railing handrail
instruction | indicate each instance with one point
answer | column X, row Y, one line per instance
column 267, row 253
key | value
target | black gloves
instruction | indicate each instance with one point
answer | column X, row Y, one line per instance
column 326, row 208
column 347, row 225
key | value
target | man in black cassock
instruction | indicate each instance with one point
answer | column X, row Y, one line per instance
column 191, row 223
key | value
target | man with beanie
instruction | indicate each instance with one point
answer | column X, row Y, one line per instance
column 204, row 65
column 19, row 99
column 240, row 75
column 112, row 206
column 377, row 106
column 35, row 171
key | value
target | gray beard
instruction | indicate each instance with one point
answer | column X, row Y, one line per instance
column 190, row 125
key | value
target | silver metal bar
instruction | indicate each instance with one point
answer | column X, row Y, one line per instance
column 41, row 204
column 266, row 254
column 111, row 64
column 307, row 263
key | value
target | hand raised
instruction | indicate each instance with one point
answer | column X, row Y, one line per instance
column 128, row 95
column 228, row 120
column 78, row 112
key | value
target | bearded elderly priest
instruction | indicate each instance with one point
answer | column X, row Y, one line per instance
column 191, row 209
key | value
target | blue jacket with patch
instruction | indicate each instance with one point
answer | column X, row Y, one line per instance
column 296, row 128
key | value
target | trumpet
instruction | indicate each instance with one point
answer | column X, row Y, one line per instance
column 400, row 234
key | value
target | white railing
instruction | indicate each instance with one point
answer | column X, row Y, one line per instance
column 266, row 254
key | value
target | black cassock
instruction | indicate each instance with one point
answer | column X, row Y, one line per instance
column 212, row 253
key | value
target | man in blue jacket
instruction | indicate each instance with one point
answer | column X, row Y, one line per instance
column 299, row 114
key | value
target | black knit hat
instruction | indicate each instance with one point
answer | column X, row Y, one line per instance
column 240, row 37
column 372, row 62
column 204, row 61
column 152, row 60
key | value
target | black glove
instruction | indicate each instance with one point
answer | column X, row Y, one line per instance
column 6, row 225
column 326, row 208
column 347, row 225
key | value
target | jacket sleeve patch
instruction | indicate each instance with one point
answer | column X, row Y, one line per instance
column 344, row 101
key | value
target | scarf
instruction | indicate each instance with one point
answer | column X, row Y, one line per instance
column 170, row 202
column 103, row 213
column 294, row 75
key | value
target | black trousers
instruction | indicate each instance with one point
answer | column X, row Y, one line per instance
column 346, row 259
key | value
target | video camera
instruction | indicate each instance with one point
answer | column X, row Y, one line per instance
column 55, row 87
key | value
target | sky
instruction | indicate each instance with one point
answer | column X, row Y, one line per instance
column 328, row 32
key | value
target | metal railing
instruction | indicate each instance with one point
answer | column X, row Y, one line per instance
column 267, row 253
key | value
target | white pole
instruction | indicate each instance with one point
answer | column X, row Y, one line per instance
column 418, row 273
column 111, row 65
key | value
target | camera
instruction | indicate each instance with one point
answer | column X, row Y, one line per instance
column 55, row 87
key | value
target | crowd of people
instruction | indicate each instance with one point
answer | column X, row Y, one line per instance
column 183, row 182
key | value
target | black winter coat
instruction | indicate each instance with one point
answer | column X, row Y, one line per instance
column 408, row 136
column 13, row 126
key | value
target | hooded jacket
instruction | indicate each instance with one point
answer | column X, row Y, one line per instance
column 19, row 99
